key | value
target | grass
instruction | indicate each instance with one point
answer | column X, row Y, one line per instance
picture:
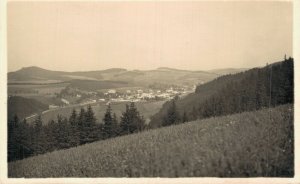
column 35, row 90
column 250, row 144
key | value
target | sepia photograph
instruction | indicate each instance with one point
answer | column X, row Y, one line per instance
column 150, row 89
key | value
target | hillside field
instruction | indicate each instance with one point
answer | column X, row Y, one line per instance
column 23, row 107
column 28, row 90
column 250, row 144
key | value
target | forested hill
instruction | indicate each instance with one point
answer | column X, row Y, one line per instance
column 250, row 90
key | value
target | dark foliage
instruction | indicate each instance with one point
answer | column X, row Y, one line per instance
column 246, row 91
column 131, row 120
column 172, row 116
column 25, row 140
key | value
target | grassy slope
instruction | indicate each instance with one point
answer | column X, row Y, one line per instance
column 249, row 144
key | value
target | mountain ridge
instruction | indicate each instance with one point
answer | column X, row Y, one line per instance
column 163, row 74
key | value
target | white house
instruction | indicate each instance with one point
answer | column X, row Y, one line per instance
column 102, row 100
column 112, row 91
column 53, row 106
column 65, row 101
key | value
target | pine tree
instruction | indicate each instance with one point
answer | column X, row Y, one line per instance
column 12, row 148
column 89, row 126
column 73, row 123
column 39, row 137
column 38, row 123
column 63, row 133
column 131, row 120
column 81, row 121
column 172, row 116
column 194, row 113
column 73, row 118
column 108, row 122
column 137, row 121
column 16, row 121
column 184, row 117
column 24, row 140
column 52, row 131
column 115, row 125
column 125, row 121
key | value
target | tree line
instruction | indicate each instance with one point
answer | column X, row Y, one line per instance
column 247, row 91
column 25, row 140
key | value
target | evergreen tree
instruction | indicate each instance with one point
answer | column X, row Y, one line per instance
column 108, row 123
column 38, row 124
column 39, row 137
column 131, row 120
column 89, row 126
column 194, row 113
column 81, row 121
column 73, row 118
column 172, row 116
column 16, row 121
column 115, row 125
column 184, row 117
column 125, row 121
column 52, row 131
column 74, row 128
column 23, row 140
column 63, row 137
column 137, row 121
column 12, row 149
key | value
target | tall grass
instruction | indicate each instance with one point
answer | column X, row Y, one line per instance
column 249, row 144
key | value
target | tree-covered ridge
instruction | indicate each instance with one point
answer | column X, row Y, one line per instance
column 267, row 87
column 25, row 140
column 254, row 89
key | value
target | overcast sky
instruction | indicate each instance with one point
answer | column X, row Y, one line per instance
column 77, row 36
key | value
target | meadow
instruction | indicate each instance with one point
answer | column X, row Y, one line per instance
column 249, row 144
column 29, row 90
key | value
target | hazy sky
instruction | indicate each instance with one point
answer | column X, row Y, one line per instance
column 76, row 36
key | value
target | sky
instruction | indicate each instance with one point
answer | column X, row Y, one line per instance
column 84, row 36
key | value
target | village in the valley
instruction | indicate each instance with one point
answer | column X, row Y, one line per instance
column 71, row 97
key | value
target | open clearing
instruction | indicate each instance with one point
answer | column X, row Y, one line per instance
column 252, row 144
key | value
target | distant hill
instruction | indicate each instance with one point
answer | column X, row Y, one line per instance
column 35, row 73
column 92, row 85
column 245, row 91
column 23, row 107
column 225, row 71
column 40, row 74
column 162, row 75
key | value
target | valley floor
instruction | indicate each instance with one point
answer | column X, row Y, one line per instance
column 250, row 144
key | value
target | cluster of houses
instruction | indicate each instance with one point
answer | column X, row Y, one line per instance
column 142, row 95
column 137, row 95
